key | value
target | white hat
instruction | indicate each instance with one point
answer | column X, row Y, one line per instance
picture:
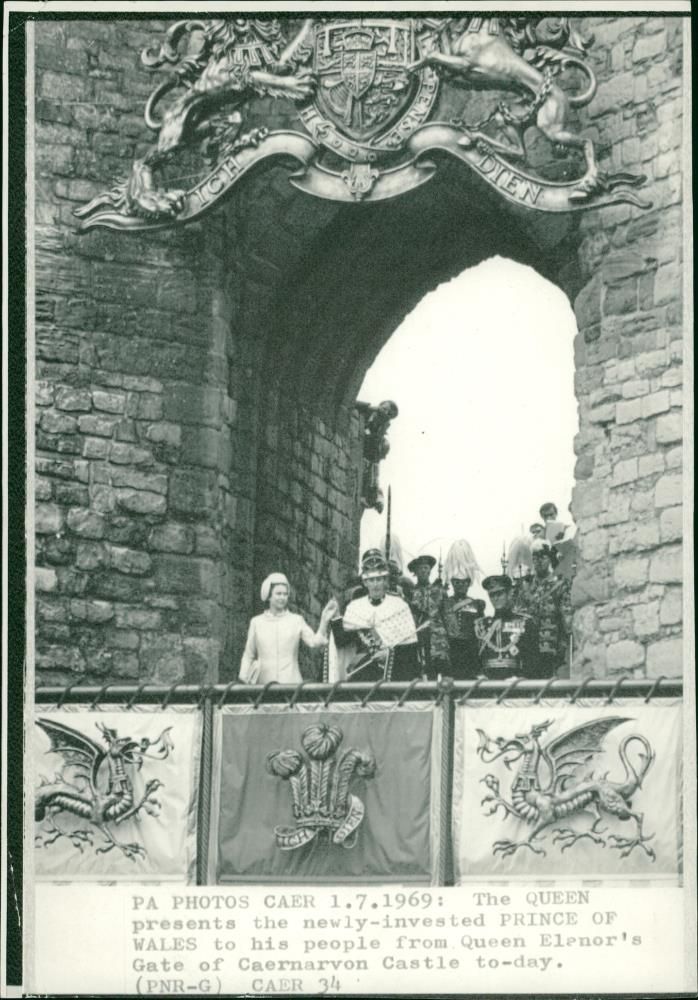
column 271, row 581
column 461, row 562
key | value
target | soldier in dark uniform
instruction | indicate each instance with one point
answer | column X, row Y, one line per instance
column 461, row 612
column 547, row 601
column 426, row 602
column 507, row 641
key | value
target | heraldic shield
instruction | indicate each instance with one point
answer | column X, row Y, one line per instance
column 362, row 67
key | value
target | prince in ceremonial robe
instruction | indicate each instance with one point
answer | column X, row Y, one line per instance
column 376, row 638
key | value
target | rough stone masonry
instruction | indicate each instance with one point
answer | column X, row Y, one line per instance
column 195, row 387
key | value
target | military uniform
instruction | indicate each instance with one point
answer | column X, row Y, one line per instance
column 507, row 640
column 460, row 618
column 547, row 601
column 426, row 603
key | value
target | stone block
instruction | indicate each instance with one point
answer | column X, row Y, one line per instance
column 669, row 428
column 140, row 501
column 625, row 471
column 57, row 423
column 109, row 402
column 69, row 398
column 43, row 392
column 605, row 414
column 617, row 510
column 85, row 522
column 193, row 492
column 674, row 458
column 172, row 538
column 665, row 658
column 129, row 560
column 188, row 404
column 588, row 499
column 45, row 579
column 671, row 524
column 128, row 454
column 671, row 608
column 164, row 433
column 136, row 618
column 90, row 555
column 43, row 489
column 630, row 573
column 121, row 638
column 94, row 612
column 650, row 465
column 95, row 448
column 180, row 574
column 96, row 425
column 651, row 362
column 654, row 403
column 162, row 657
column 102, row 499
column 624, row 655
column 202, row 659
column 669, row 490
column 588, row 586
column 629, row 410
column 635, row 387
column 667, row 565
column 48, row 519
column 153, row 482
column 646, row 618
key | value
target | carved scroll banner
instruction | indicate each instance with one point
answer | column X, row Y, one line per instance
column 115, row 793
column 563, row 790
column 345, row 794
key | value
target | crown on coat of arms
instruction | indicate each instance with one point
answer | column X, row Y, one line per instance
column 320, row 787
column 358, row 41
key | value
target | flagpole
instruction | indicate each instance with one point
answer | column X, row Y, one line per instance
column 387, row 525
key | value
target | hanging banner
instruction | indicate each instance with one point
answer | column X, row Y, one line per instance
column 564, row 790
column 345, row 794
column 115, row 793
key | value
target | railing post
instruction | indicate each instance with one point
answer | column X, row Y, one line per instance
column 203, row 825
column 446, row 693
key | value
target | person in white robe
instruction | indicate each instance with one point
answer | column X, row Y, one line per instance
column 376, row 638
column 274, row 637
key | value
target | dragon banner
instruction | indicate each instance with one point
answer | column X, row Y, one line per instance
column 115, row 793
column 568, row 790
column 349, row 793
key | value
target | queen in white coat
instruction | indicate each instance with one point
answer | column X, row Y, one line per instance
column 273, row 639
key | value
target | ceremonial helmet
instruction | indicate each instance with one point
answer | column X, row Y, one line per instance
column 373, row 565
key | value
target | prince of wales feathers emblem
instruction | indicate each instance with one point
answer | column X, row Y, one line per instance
column 320, row 788
column 94, row 783
column 548, row 786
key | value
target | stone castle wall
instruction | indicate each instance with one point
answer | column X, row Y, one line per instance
column 195, row 386
column 629, row 363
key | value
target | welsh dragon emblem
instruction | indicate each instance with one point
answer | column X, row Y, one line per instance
column 550, row 785
column 320, row 787
column 93, row 783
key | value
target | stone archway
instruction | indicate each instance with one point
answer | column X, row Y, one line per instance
column 195, row 386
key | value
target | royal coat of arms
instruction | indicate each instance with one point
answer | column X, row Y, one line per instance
column 360, row 94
